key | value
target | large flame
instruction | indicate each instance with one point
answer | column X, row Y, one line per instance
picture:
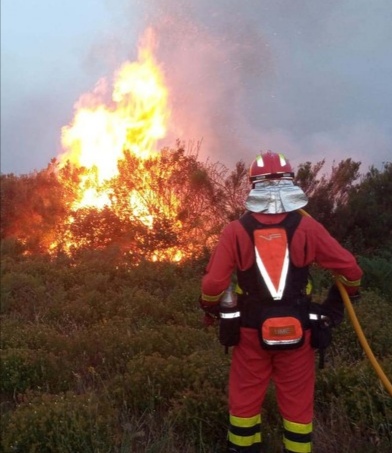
column 131, row 115
column 128, row 116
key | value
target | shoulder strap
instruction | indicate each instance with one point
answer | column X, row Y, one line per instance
column 289, row 223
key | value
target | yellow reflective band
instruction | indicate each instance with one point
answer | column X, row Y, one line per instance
column 346, row 282
column 207, row 298
column 309, row 288
column 243, row 422
column 238, row 289
column 282, row 159
column 298, row 428
column 260, row 161
column 297, row 447
column 244, row 441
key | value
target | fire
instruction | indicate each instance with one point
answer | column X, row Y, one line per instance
column 130, row 115
column 115, row 121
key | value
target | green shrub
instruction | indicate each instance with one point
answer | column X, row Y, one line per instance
column 21, row 293
column 61, row 423
column 357, row 393
column 201, row 415
column 374, row 315
column 153, row 381
column 132, row 337
column 23, row 369
column 148, row 384
column 109, row 346
column 377, row 273
column 321, row 279
column 191, row 390
column 349, row 386
column 18, row 334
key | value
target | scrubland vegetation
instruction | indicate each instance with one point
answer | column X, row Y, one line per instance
column 103, row 351
column 102, row 356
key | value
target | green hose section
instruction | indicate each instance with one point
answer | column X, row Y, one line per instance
column 358, row 329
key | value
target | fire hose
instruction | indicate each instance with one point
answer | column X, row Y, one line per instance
column 358, row 330
column 362, row 339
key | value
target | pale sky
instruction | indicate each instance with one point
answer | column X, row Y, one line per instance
column 311, row 79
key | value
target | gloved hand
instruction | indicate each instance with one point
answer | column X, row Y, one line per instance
column 355, row 297
column 333, row 306
column 209, row 320
column 211, row 312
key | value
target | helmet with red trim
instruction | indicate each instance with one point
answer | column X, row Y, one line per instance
column 270, row 165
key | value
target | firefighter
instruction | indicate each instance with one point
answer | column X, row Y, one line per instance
column 269, row 251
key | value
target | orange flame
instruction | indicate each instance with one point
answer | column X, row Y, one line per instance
column 132, row 117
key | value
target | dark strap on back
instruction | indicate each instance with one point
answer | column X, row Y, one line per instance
column 289, row 223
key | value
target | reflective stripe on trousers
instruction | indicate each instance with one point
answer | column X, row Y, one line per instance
column 297, row 437
column 245, row 434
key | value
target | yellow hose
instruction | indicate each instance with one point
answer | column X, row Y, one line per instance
column 362, row 339
column 358, row 329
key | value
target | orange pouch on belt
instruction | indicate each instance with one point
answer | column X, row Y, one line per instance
column 281, row 331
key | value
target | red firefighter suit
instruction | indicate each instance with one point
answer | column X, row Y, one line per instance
column 252, row 368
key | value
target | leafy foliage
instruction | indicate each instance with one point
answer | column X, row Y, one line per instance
column 60, row 423
column 174, row 203
column 327, row 193
column 114, row 357
column 378, row 273
column 32, row 208
column 158, row 207
column 369, row 211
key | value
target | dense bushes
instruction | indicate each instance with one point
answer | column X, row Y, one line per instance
column 100, row 356
column 67, row 422
column 378, row 272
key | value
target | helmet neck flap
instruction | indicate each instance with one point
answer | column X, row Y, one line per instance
column 275, row 196
column 273, row 190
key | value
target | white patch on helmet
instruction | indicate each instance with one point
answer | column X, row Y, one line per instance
column 282, row 160
column 260, row 161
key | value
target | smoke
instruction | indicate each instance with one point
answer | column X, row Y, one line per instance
column 211, row 54
column 307, row 78
column 246, row 76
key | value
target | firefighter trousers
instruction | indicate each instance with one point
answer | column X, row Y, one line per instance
column 293, row 375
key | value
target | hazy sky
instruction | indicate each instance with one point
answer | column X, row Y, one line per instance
column 310, row 78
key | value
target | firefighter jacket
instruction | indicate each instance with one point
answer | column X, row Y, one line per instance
column 310, row 243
